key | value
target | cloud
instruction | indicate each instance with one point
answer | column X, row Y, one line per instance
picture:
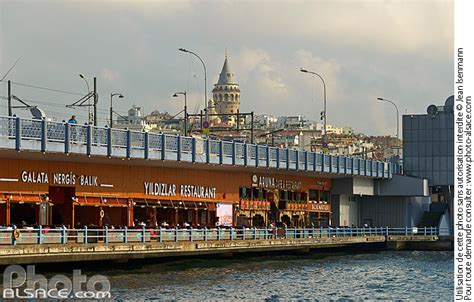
column 109, row 74
column 400, row 50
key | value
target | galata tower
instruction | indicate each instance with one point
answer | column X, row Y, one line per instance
column 226, row 94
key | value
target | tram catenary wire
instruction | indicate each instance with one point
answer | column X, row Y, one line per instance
column 44, row 88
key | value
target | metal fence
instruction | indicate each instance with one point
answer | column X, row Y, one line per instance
column 105, row 235
column 46, row 136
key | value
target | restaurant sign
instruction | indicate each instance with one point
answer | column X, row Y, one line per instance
column 59, row 178
column 275, row 183
column 165, row 189
column 320, row 207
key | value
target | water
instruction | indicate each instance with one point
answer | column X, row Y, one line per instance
column 414, row 275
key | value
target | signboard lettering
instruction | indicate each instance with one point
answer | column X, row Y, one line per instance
column 160, row 189
column 275, row 183
column 59, row 178
column 164, row 189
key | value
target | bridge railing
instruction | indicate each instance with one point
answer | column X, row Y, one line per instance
column 46, row 136
column 45, row 235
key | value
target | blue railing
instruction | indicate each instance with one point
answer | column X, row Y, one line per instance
column 45, row 136
column 44, row 235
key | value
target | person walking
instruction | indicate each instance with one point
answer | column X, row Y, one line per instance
column 72, row 120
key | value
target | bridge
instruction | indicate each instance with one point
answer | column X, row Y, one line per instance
column 43, row 136
column 45, row 245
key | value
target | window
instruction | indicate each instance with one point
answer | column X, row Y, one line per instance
column 244, row 192
column 304, row 196
column 313, row 194
column 254, row 193
column 324, row 196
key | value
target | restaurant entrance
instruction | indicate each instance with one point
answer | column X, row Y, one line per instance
column 61, row 198
column 22, row 213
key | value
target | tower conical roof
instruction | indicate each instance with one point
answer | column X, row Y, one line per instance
column 226, row 76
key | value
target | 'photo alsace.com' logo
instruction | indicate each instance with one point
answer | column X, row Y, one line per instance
column 21, row 284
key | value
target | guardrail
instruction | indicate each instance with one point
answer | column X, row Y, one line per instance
column 45, row 136
column 106, row 235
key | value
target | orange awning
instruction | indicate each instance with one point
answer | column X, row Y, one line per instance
column 25, row 197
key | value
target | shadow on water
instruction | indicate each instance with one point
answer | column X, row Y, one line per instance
column 174, row 264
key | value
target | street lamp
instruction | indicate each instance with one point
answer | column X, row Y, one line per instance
column 88, row 91
column 398, row 138
column 205, row 82
column 111, row 110
column 324, row 113
column 175, row 95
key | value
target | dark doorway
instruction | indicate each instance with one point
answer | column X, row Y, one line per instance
column 61, row 197
column 23, row 213
column 274, row 213
column 258, row 221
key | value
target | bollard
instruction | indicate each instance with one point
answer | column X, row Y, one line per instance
column 63, row 235
column 125, row 234
column 160, row 234
column 106, row 234
column 85, row 234
column 40, row 234
column 143, row 234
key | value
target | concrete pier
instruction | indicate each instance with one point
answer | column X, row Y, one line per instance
column 73, row 252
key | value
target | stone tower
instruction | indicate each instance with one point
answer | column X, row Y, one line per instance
column 226, row 94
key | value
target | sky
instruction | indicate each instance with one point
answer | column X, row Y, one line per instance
column 398, row 50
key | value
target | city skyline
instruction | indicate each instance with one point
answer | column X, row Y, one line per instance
column 367, row 50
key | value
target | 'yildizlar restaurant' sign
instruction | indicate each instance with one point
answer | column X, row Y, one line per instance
column 274, row 183
column 164, row 189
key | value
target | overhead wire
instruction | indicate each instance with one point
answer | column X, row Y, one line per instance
column 44, row 88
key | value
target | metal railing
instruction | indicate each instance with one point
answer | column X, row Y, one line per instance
column 45, row 136
column 105, row 235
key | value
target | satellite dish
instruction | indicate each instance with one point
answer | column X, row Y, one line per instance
column 432, row 111
column 37, row 113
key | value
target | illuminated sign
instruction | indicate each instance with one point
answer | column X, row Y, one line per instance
column 160, row 189
column 59, row 178
column 275, row 183
column 321, row 207
column 165, row 189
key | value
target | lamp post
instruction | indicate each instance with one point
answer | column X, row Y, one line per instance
column 88, row 91
column 205, row 82
column 175, row 95
column 324, row 113
column 111, row 108
column 398, row 131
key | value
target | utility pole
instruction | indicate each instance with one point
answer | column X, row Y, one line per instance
column 9, row 98
column 251, row 123
column 96, row 99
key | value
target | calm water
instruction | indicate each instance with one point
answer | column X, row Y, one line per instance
column 384, row 275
